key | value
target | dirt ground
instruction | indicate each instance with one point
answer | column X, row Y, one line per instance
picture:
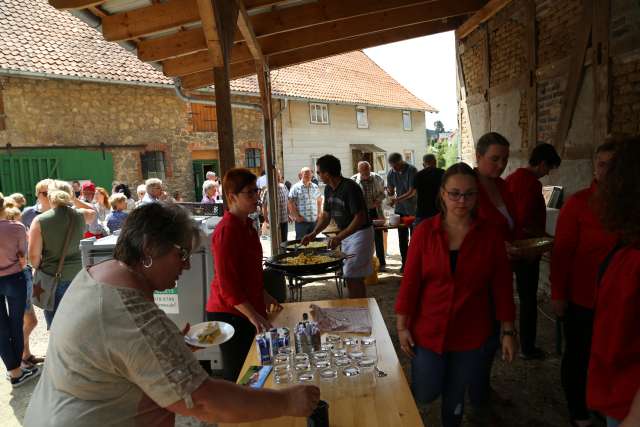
column 529, row 392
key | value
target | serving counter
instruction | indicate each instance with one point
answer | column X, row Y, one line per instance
column 386, row 402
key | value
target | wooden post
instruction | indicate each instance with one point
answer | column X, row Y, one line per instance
column 486, row 75
column 264, row 82
column 600, row 61
column 226, row 14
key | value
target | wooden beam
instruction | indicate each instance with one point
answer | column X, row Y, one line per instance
column 254, row 4
column 310, row 14
column 484, row 14
column 264, row 84
column 576, row 73
column 486, row 75
column 210, row 30
column 171, row 46
column 601, row 71
column 246, row 29
column 74, row 4
column 348, row 28
column 150, row 19
column 225, row 14
column 202, row 61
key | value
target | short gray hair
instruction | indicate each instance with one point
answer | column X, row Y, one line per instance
column 152, row 183
column 142, row 189
column 210, row 174
column 208, row 185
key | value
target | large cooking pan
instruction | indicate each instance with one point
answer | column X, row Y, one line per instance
column 292, row 245
column 306, row 269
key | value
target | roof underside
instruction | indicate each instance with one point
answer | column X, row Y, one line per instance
column 170, row 34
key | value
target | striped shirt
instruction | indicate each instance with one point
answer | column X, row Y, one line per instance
column 306, row 200
column 283, row 195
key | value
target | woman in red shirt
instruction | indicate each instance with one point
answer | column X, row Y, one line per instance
column 495, row 206
column 581, row 244
column 614, row 366
column 237, row 291
column 444, row 310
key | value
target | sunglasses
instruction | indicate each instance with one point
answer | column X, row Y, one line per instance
column 184, row 253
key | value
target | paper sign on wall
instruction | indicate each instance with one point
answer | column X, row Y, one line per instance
column 167, row 300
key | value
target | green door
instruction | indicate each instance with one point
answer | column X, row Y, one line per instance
column 22, row 169
column 200, row 169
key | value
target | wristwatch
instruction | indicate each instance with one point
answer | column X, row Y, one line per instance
column 510, row 333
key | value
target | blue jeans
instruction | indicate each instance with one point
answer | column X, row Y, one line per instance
column 304, row 228
column 611, row 422
column 13, row 293
column 446, row 375
column 480, row 387
column 63, row 285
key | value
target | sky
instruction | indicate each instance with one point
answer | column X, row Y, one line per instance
column 427, row 67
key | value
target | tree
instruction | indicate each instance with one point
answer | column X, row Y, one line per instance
column 439, row 126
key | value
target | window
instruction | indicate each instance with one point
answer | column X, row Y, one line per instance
column 406, row 120
column 380, row 163
column 252, row 158
column 319, row 113
column 408, row 156
column 204, row 118
column 361, row 118
column 152, row 163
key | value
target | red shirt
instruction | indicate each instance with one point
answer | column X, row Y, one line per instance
column 581, row 244
column 237, row 278
column 453, row 312
column 614, row 366
column 488, row 212
column 530, row 208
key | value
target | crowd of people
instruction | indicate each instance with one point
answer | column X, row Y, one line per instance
column 455, row 306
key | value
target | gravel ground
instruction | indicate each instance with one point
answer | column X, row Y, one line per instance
column 529, row 392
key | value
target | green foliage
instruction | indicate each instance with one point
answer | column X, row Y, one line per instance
column 446, row 154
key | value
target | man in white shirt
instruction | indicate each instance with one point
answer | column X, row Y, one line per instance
column 305, row 203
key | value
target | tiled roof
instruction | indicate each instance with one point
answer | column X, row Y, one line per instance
column 36, row 38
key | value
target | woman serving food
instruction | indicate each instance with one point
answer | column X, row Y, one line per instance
column 115, row 358
column 237, row 290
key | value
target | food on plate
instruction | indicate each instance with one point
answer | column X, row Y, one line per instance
column 305, row 259
column 209, row 334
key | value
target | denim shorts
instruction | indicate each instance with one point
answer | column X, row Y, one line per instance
column 28, row 275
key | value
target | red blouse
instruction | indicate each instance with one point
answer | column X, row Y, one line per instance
column 453, row 312
column 237, row 278
column 488, row 212
column 530, row 208
column 581, row 244
column 614, row 366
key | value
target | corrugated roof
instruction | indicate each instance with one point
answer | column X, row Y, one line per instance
column 36, row 38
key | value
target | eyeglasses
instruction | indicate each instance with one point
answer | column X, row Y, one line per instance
column 44, row 193
column 253, row 192
column 184, row 253
column 454, row 196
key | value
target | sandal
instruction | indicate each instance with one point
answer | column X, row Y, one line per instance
column 33, row 360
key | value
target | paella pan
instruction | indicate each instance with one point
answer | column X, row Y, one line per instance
column 307, row 262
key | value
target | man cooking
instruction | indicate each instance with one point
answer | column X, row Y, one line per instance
column 344, row 203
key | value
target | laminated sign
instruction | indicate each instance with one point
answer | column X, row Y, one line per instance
column 167, row 300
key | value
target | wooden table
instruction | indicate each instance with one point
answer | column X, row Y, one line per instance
column 388, row 403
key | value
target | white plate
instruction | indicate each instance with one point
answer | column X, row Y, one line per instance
column 226, row 332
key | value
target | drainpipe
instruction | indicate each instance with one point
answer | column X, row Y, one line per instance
column 186, row 98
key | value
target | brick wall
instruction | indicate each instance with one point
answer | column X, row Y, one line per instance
column 61, row 112
column 558, row 23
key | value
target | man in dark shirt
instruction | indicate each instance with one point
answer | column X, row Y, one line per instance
column 344, row 203
column 426, row 184
column 403, row 199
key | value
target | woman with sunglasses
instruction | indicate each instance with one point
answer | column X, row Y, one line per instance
column 444, row 314
column 237, row 291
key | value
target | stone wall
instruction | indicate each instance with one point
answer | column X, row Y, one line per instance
column 504, row 106
column 50, row 112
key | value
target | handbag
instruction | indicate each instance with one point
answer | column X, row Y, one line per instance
column 45, row 285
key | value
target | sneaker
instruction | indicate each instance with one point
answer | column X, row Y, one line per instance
column 27, row 375
column 536, row 354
